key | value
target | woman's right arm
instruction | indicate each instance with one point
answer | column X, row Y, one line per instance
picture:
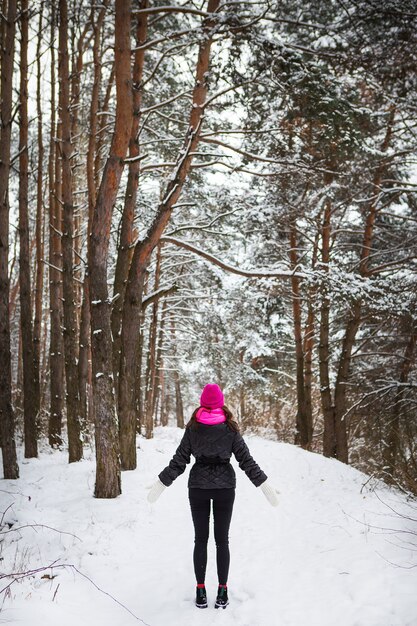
column 178, row 462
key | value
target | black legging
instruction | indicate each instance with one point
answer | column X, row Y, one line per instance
column 222, row 511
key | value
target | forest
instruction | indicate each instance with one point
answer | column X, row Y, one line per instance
column 205, row 192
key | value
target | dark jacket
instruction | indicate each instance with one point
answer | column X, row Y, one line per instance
column 212, row 446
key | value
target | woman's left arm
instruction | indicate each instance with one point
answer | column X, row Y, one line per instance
column 253, row 471
column 246, row 462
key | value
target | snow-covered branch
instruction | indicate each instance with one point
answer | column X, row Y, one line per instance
column 230, row 268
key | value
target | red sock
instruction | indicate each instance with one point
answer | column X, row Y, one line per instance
column 225, row 586
column 200, row 585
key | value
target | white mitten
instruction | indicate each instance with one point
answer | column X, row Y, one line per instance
column 155, row 491
column 271, row 494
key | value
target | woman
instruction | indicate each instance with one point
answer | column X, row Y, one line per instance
column 211, row 436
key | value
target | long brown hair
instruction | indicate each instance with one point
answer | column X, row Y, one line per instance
column 230, row 420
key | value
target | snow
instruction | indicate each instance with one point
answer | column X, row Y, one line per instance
column 332, row 552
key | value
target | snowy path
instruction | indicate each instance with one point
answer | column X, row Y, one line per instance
column 319, row 559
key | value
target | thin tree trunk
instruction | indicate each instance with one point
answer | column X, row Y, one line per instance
column 134, row 288
column 303, row 420
column 18, row 391
column 56, row 357
column 309, row 342
column 393, row 440
column 30, row 383
column 83, row 354
column 151, row 372
column 10, row 466
column 108, row 479
column 164, row 397
column 341, row 381
column 44, row 359
column 329, row 436
column 179, row 409
column 139, row 387
column 159, row 378
column 75, row 447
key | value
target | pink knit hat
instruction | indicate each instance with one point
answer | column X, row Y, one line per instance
column 212, row 397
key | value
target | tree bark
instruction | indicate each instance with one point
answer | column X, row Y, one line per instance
column 134, row 288
column 30, row 383
column 127, row 231
column 40, row 234
column 10, row 466
column 102, row 123
column 108, row 482
column 84, row 360
column 56, row 348
column 77, row 63
column 70, row 333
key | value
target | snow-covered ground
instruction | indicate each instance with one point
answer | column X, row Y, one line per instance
column 332, row 553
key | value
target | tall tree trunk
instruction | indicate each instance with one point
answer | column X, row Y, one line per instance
column 134, row 288
column 30, row 383
column 8, row 23
column 56, row 348
column 37, row 322
column 127, row 231
column 84, row 360
column 77, row 61
column 75, row 447
column 108, row 480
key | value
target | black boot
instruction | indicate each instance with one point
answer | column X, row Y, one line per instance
column 222, row 600
column 201, row 598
